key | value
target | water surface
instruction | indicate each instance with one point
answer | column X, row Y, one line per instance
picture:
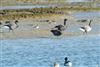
column 83, row 51
column 22, row 7
column 87, row 15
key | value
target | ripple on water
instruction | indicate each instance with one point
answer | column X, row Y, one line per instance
column 82, row 51
column 85, row 15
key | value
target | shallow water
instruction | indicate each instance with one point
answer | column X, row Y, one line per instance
column 77, row 0
column 83, row 51
column 22, row 7
column 87, row 15
column 92, row 15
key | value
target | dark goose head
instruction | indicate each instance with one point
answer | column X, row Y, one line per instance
column 16, row 21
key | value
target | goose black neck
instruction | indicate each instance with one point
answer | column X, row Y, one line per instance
column 65, row 21
column 90, row 22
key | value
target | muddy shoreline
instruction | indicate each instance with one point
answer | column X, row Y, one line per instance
column 45, row 19
column 26, row 28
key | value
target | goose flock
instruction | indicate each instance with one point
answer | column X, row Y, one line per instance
column 57, row 30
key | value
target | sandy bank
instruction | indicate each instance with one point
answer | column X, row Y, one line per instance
column 26, row 27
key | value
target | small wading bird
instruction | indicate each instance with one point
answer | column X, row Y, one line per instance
column 11, row 26
column 86, row 28
column 57, row 30
column 67, row 63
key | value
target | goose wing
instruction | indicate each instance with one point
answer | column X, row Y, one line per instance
column 56, row 32
column 82, row 29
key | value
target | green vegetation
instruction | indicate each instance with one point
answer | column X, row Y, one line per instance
column 24, row 13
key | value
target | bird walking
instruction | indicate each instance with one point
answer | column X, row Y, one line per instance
column 10, row 26
column 86, row 28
